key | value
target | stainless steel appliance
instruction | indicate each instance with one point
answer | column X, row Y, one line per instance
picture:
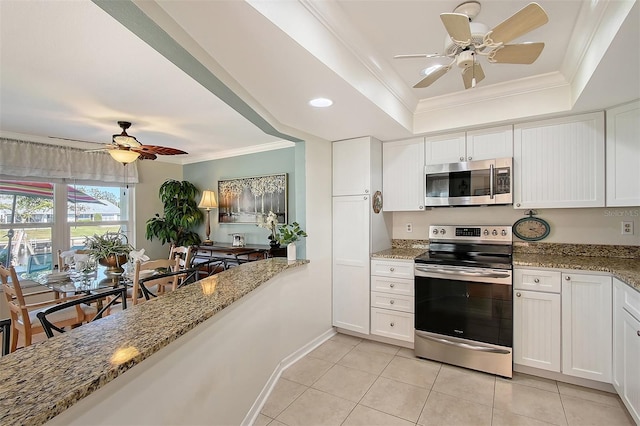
column 469, row 183
column 463, row 298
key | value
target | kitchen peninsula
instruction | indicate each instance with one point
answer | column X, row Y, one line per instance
column 43, row 380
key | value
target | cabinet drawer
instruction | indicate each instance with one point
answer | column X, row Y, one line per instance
column 392, row 324
column 391, row 301
column 392, row 285
column 537, row 280
column 631, row 301
column 396, row 268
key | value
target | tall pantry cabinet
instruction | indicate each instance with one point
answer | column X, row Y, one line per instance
column 357, row 230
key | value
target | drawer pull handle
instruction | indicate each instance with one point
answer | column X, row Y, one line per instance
column 392, row 285
column 518, row 294
column 391, row 302
column 568, row 278
column 638, row 333
column 535, row 280
column 392, row 269
column 392, row 324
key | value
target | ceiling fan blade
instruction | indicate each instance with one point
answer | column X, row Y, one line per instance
column 160, row 150
column 526, row 53
column 526, row 19
column 418, row 55
column 146, row 155
column 431, row 77
column 457, row 25
column 468, row 74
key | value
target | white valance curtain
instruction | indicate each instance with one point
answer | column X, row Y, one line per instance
column 23, row 159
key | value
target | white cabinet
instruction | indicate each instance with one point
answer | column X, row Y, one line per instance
column 392, row 299
column 623, row 155
column 482, row 144
column 356, row 166
column 586, row 326
column 403, row 175
column 351, row 263
column 626, row 346
column 357, row 231
column 560, row 163
column 536, row 319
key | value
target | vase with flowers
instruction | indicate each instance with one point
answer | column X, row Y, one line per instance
column 110, row 249
column 270, row 222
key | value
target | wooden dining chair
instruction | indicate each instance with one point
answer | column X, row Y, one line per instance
column 155, row 286
column 24, row 316
column 184, row 255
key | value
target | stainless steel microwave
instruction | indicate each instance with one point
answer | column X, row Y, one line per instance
column 469, row 183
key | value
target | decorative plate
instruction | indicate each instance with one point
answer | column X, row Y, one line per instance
column 377, row 202
column 531, row 228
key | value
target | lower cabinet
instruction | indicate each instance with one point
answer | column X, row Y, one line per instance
column 537, row 318
column 626, row 346
column 392, row 299
column 562, row 322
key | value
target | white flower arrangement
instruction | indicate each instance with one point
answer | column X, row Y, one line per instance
column 270, row 222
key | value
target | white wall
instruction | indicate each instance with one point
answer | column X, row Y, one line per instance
column 575, row 226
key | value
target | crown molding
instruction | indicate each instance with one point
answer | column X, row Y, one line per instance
column 240, row 151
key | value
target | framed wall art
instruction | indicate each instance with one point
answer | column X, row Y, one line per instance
column 247, row 199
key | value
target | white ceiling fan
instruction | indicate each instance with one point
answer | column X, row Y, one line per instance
column 467, row 39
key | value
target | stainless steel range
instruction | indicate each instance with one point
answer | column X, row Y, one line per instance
column 463, row 298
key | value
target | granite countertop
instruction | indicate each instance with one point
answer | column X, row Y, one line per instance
column 42, row 380
column 404, row 253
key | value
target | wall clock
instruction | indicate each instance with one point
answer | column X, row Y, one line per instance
column 531, row 228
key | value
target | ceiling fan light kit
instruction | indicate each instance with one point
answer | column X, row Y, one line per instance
column 466, row 39
column 126, row 149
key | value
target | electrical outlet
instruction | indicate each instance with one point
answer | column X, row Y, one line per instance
column 409, row 227
column 626, row 228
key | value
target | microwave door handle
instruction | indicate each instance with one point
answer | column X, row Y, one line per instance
column 491, row 178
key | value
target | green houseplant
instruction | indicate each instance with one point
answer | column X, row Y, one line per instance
column 288, row 235
column 110, row 249
column 180, row 216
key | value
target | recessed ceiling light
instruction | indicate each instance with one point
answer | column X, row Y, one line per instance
column 320, row 102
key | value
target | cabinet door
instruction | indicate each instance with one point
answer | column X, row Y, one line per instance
column 403, row 176
column 352, row 166
column 559, row 163
column 487, row 144
column 617, row 374
column 351, row 241
column 623, row 155
column 631, row 348
column 445, row 149
column 587, row 326
column 536, row 329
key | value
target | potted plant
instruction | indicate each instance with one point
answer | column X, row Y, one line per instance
column 288, row 235
column 110, row 249
column 181, row 215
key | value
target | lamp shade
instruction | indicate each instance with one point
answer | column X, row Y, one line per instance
column 124, row 156
column 208, row 200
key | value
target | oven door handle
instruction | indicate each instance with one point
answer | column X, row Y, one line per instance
column 464, row 273
column 463, row 345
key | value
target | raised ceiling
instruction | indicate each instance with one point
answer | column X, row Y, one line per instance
column 221, row 77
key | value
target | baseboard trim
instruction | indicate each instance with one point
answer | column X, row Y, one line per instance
column 587, row 383
column 291, row 359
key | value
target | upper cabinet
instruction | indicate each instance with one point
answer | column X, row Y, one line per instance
column 483, row 144
column 352, row 166
column 623, row 155
column 403, row 172
column 559, row 163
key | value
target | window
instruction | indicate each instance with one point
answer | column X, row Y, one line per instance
column 44, row 217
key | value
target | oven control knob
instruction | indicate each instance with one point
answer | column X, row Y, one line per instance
column 486, row 232
column 442, row 231
column 504, row 233
column 435, row 232
column 494, row 232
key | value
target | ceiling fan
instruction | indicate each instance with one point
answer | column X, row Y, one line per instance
column 126, row 149
column 467, row 39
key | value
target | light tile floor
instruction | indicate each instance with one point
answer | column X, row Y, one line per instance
column 350, row 381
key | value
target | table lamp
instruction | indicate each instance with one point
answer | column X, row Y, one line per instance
column 208, row 202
